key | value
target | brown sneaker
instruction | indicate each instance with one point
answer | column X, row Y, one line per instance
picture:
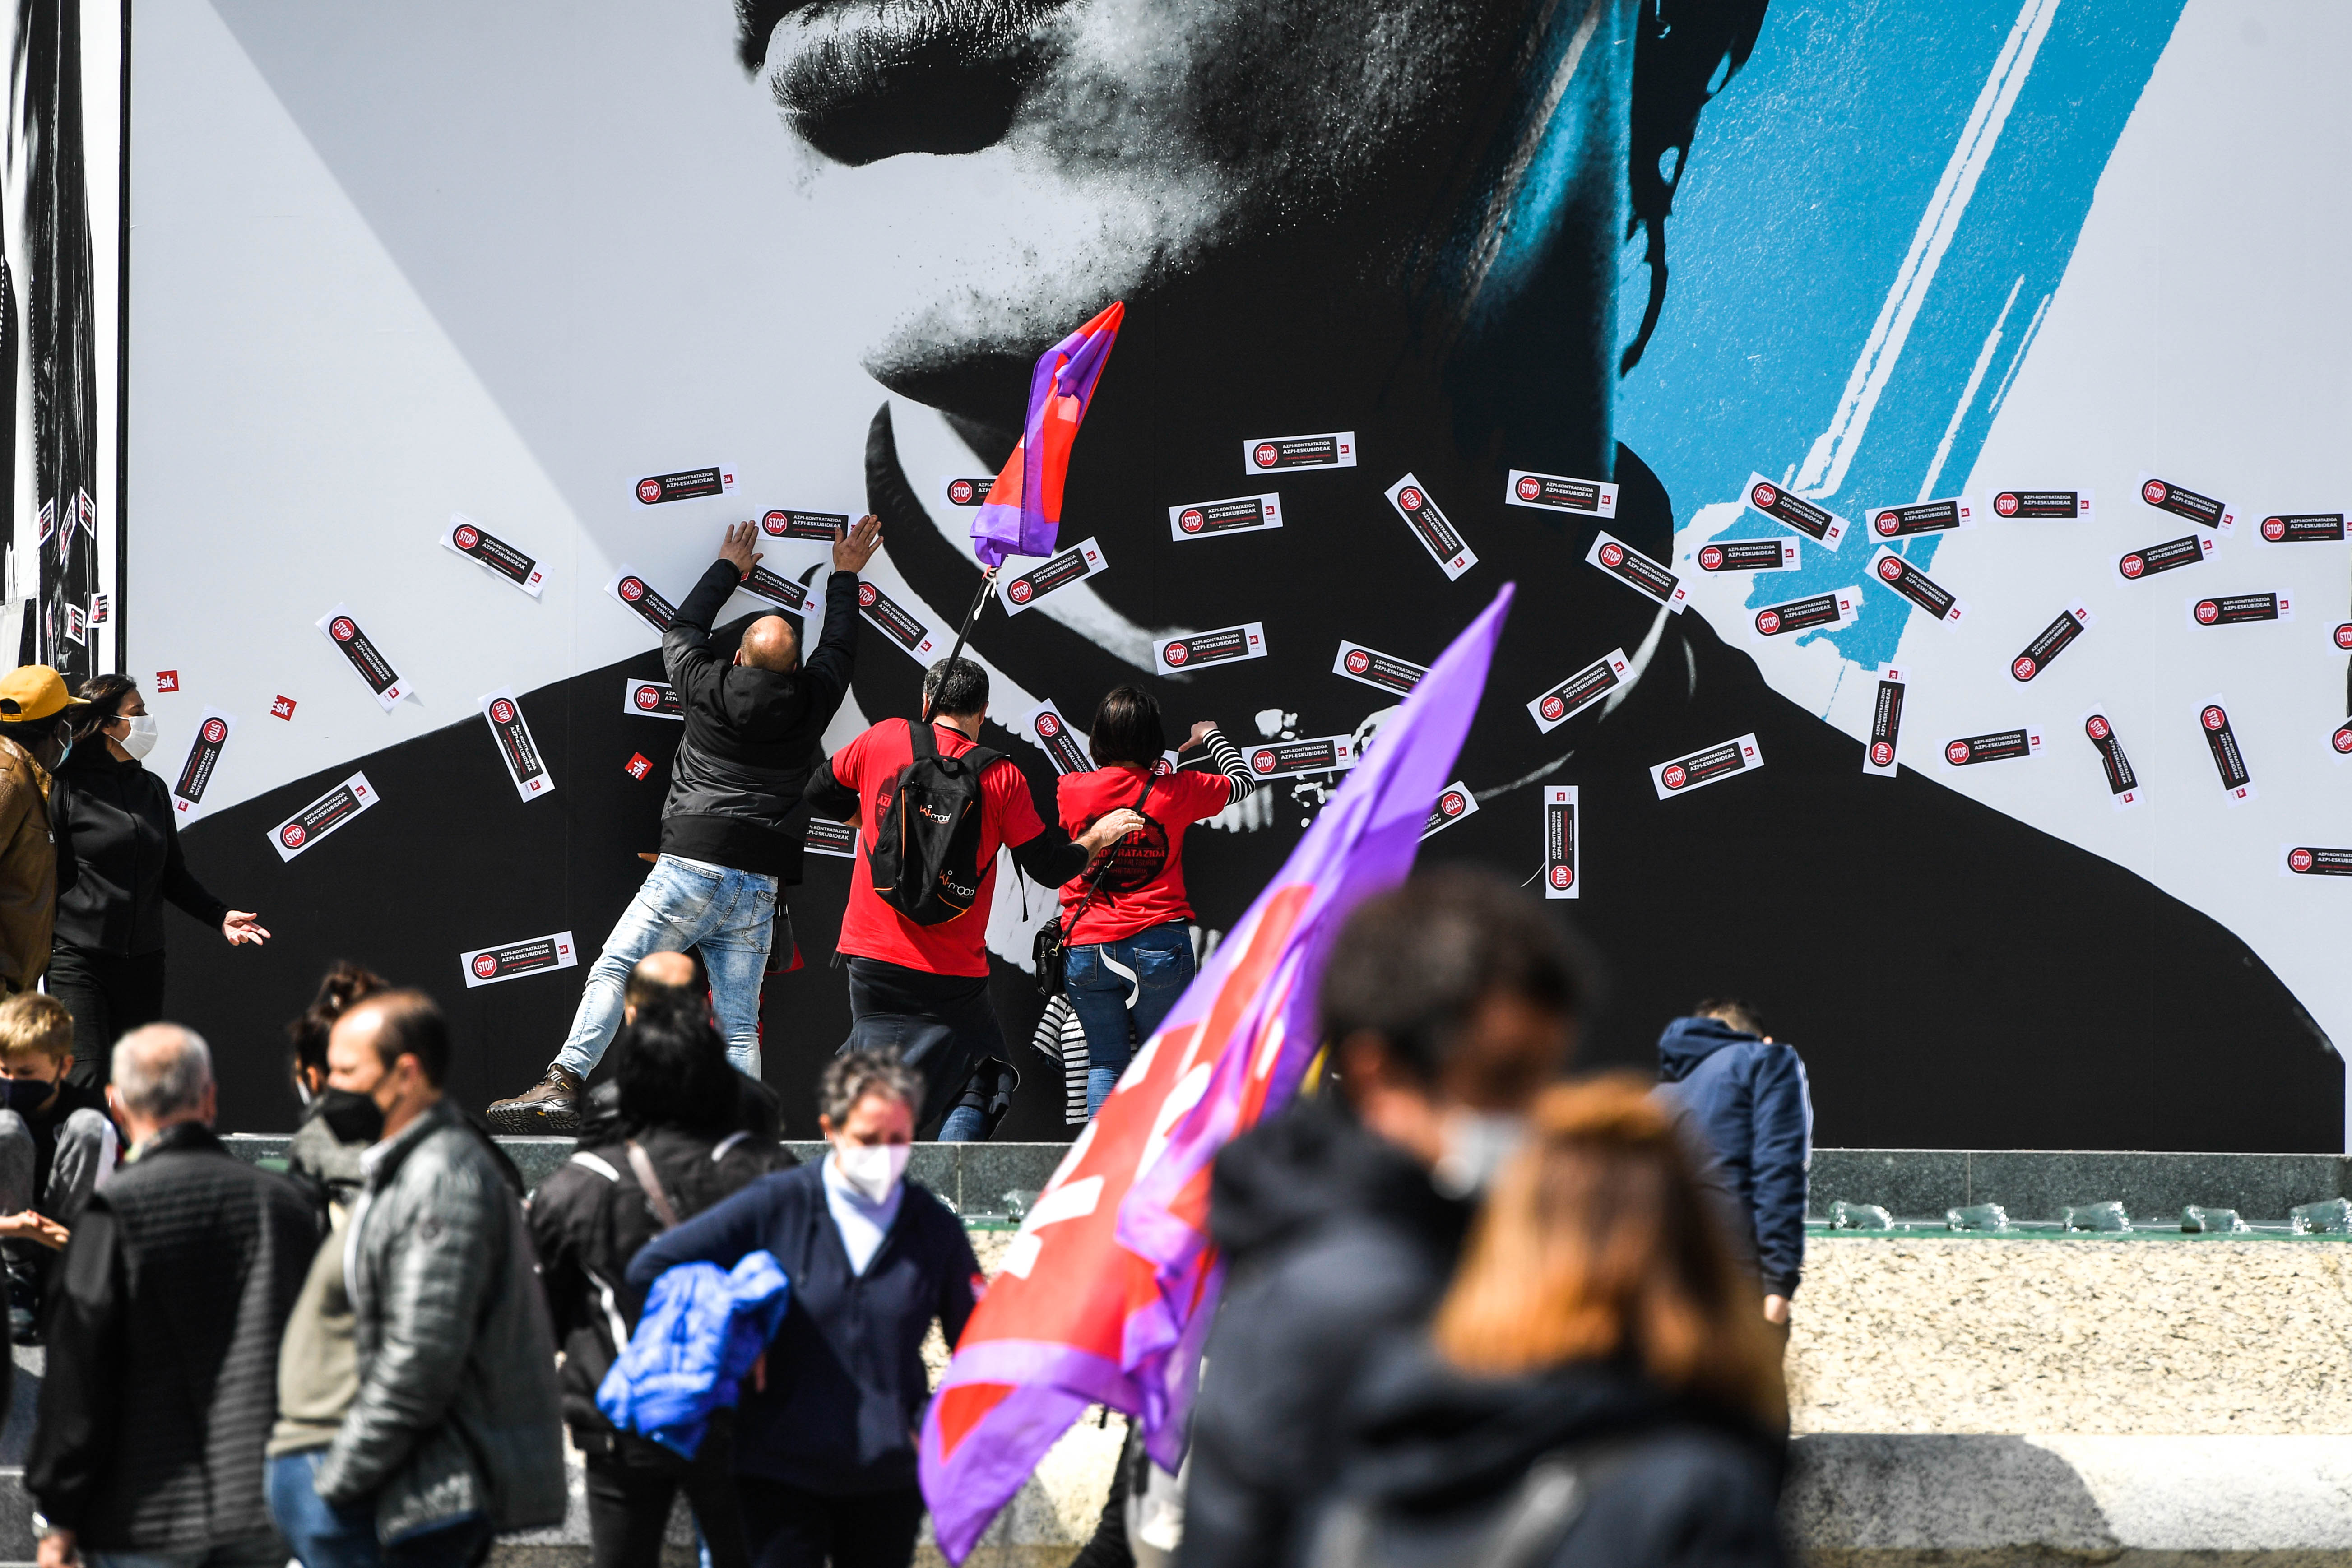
column 551, row 1105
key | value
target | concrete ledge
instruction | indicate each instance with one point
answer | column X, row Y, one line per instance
column 1883, row 1500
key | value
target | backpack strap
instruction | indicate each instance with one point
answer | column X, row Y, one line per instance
column 643, row 1164
column 923, row 741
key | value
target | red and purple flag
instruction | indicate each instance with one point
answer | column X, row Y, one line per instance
column 1023, row 511
column 1106, row 1292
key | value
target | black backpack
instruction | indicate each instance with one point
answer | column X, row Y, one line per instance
column 925, row 859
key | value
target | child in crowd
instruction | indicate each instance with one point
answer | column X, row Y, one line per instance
column 57, row 1145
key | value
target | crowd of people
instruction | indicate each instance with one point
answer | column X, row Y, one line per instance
column 1476, row 1310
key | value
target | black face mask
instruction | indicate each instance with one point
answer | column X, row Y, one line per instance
column 351, row 1116
column 24, row 1095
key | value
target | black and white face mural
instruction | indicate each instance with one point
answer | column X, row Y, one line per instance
column 404, row 267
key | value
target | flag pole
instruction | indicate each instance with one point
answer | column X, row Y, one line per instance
column 978, row 603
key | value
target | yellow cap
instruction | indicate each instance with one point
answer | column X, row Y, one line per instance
column 33, row 691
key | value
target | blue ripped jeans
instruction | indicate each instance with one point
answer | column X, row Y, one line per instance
column 731, row 915
column 1121, row 990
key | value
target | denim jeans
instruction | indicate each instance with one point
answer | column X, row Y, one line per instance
column 325, row 1536
column 1121, row 990
column 731, row 915
column 942, row 1026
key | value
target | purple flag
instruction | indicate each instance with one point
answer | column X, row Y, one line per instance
column 1108, row 1291
column 1023, row 514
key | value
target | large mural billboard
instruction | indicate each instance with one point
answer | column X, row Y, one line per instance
column 1917, row 440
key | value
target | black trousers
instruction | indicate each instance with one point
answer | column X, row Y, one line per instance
column 630, row 1485
column 794, row 1528
column 942, row 1026
column 108, row 995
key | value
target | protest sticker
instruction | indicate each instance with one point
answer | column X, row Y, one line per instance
column 321, row 817
column 1999, row 746
column 2310, row 860
column 76, row 621
column 1749, row 555
column 633, row 593
column 2229, row 759
column 204, row 749
column 1560, row 829
column 350, row 639
column 1454, row 802
column 512, row 961
column 836, row 838
column 1432, row 527
column 1558, row 492
column 2339, row 640
column 2302, row 528
column 652, row 699
column 1944, row 606
column 822, row 526
column 2027, row 506
column 167, row 680
column 1381, row 672
column 2339, row 742
column 1225, row 645
column 1581, row 691
column 1712, row 765
column 1824, row 528
column 686, row 484
column 2051, row 641
column 1277, row 454
column 2150, row 559
column 639, row 766
column 2204, row 511
column 102, row 609
column 1879, row 754
column 1063, row 567
column 2238, row 609
column 966, row 490
column 1637, row 571
column 495, row 555
column 777, row 589
column 1239, row 514
column 1063, row 746
column 526, row 766
column 2123, row 782
column 1813, row 613
column 891, row 618
column 1288, row 759
column 1921, row 517
column 282, row 707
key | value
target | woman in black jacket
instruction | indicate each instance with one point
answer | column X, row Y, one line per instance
column 119, row 862
column 1597, row 1387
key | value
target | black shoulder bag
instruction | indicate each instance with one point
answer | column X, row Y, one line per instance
column 1052, row 952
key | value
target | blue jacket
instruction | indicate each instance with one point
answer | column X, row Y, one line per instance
column 1748, row 1097
column 845, row 1385
column 703, row 1328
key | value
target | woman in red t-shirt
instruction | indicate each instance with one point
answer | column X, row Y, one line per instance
column 1130, row 932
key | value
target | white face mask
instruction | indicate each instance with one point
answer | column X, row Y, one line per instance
column 142, row 738
column 1477, row 1145
column 874, row 1169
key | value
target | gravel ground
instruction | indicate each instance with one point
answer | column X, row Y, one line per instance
column 2129, row 1336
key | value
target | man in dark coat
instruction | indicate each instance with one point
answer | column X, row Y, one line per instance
column 1447, row 1004
column 752, row 726
column 1746, row 1093
column 162, row 1333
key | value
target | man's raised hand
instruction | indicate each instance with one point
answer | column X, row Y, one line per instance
column 853, row 549
column 736, row 552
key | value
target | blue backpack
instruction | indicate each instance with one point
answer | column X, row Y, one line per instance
column 703, row 1328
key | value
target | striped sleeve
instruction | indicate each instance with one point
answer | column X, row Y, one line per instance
column 1229, row 763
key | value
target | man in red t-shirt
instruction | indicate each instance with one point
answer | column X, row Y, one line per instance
column 923, row 990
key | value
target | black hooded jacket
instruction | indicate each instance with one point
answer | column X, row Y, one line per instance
column 1333, row 1236
column 1439, row 1461
column 751, row 736
column 119, row 859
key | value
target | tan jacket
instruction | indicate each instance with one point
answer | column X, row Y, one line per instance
column 28, row 868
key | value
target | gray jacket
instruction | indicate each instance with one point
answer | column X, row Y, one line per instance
column 459, row 1411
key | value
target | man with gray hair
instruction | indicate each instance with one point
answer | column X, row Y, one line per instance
column 162, row 1333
